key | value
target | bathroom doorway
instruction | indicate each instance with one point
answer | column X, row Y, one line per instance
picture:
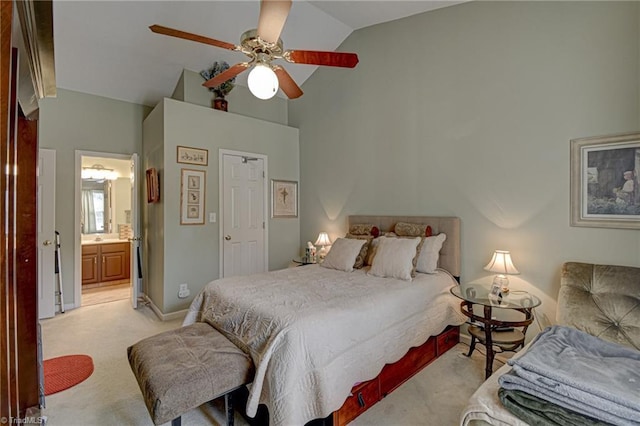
column 107, row 256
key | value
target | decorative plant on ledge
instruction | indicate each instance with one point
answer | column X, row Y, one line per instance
column 222, row 90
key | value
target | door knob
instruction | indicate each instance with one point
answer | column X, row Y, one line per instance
column 46, row 243
column 228, row 237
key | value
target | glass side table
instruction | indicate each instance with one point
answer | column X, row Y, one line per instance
column 302, row 260
column 489, row 333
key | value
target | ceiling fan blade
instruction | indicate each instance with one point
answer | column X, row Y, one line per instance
column 331, row 59
column 159, row 29
column 288, row 86
column 228, row 74
column 273, row 15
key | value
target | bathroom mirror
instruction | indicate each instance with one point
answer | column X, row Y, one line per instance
column 96, row 211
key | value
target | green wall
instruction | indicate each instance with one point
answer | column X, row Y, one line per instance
column 190, row 254
column 153, row 214
column 241, row 101
column 78, row 121
column 468, row 111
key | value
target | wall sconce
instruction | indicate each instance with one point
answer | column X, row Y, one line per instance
column 502, row 264
column 98, row 172
column 323, row 241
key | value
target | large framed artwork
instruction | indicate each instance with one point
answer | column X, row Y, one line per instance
column 284, row 198
column 192, row 196
column 604, row 181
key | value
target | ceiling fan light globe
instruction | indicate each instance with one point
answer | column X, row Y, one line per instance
column 263, row 82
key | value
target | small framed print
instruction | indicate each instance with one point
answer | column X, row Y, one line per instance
column 197, row 156
column 192, row 196
column 284, row 198
column 153, row 186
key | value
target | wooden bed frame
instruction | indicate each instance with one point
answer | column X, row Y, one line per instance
column 364, row 395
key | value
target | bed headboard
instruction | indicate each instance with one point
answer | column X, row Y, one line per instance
column 450, row 253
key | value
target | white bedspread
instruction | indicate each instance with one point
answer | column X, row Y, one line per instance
column 314, row 332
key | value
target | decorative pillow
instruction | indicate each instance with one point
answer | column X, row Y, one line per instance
column 343, row 253
column 430, row 253
column 404, row 229
column 362, row 256
column 395, row 258
column 371, row 253
column 364, row 229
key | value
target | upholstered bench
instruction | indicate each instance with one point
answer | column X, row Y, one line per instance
column 181, row 369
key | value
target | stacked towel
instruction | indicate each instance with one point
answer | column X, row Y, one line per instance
column 579, row 373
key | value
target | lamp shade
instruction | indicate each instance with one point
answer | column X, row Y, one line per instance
column 501, row 263
column 263, row 82
column 323, row 239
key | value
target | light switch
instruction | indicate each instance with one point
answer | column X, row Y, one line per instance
column 212, row 217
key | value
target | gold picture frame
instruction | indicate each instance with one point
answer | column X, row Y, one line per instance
column 604, row 181
column 196, row 156
column 192, row 196
column 284, row 198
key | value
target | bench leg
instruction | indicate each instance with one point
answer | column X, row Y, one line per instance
column 176, row 422
column 228, row 408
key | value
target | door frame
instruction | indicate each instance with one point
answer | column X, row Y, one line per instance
column 77, row 243
column 265, row 203
column 50, row 209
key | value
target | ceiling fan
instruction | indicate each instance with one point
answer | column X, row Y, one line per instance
column 262, row 46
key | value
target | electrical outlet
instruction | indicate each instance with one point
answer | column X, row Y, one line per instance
column 183, row 291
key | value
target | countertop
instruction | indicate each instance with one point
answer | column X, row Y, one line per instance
column 105, row 241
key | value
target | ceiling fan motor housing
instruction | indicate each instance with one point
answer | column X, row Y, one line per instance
column 258, row 49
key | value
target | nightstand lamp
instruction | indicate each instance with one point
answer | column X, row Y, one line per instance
column 502, row 264
column 323, row 241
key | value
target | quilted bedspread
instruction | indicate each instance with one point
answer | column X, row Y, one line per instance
column 314, row 332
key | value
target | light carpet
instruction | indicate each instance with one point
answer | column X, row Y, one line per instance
column 435, row 396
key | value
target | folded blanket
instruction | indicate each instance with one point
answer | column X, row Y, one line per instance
column 582, row 373
column 538, row 412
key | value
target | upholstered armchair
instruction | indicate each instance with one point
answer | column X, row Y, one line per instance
column 602, row 300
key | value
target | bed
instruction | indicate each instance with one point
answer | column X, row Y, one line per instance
column 601, row 300
column 314, row 332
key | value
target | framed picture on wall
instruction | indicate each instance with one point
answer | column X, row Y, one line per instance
column 192, row 196
column 604, row 181
column 197, row 156
column 284, row 198
column 153, row 186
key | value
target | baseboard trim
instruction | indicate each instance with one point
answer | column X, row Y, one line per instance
column 164, row 317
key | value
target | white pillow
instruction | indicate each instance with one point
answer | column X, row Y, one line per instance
column 343, row 254
column 430, row 253
column 394, row 257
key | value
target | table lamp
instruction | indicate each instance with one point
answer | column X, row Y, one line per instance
column 323, row 241
column 502, row 264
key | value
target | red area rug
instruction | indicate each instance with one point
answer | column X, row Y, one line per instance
column 66, row 371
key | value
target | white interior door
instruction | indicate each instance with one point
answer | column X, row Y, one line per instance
column 46, row 233
column 243, row 207
column 135, row 254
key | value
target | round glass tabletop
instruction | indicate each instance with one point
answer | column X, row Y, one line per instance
column 479, row 294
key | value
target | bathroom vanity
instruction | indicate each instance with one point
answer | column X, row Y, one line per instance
column 105, row 262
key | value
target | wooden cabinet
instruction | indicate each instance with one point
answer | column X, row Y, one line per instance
column 90, row 271
column 366, row 394
column 105, row 262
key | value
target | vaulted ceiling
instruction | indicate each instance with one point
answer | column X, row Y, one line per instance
column 105, row 48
